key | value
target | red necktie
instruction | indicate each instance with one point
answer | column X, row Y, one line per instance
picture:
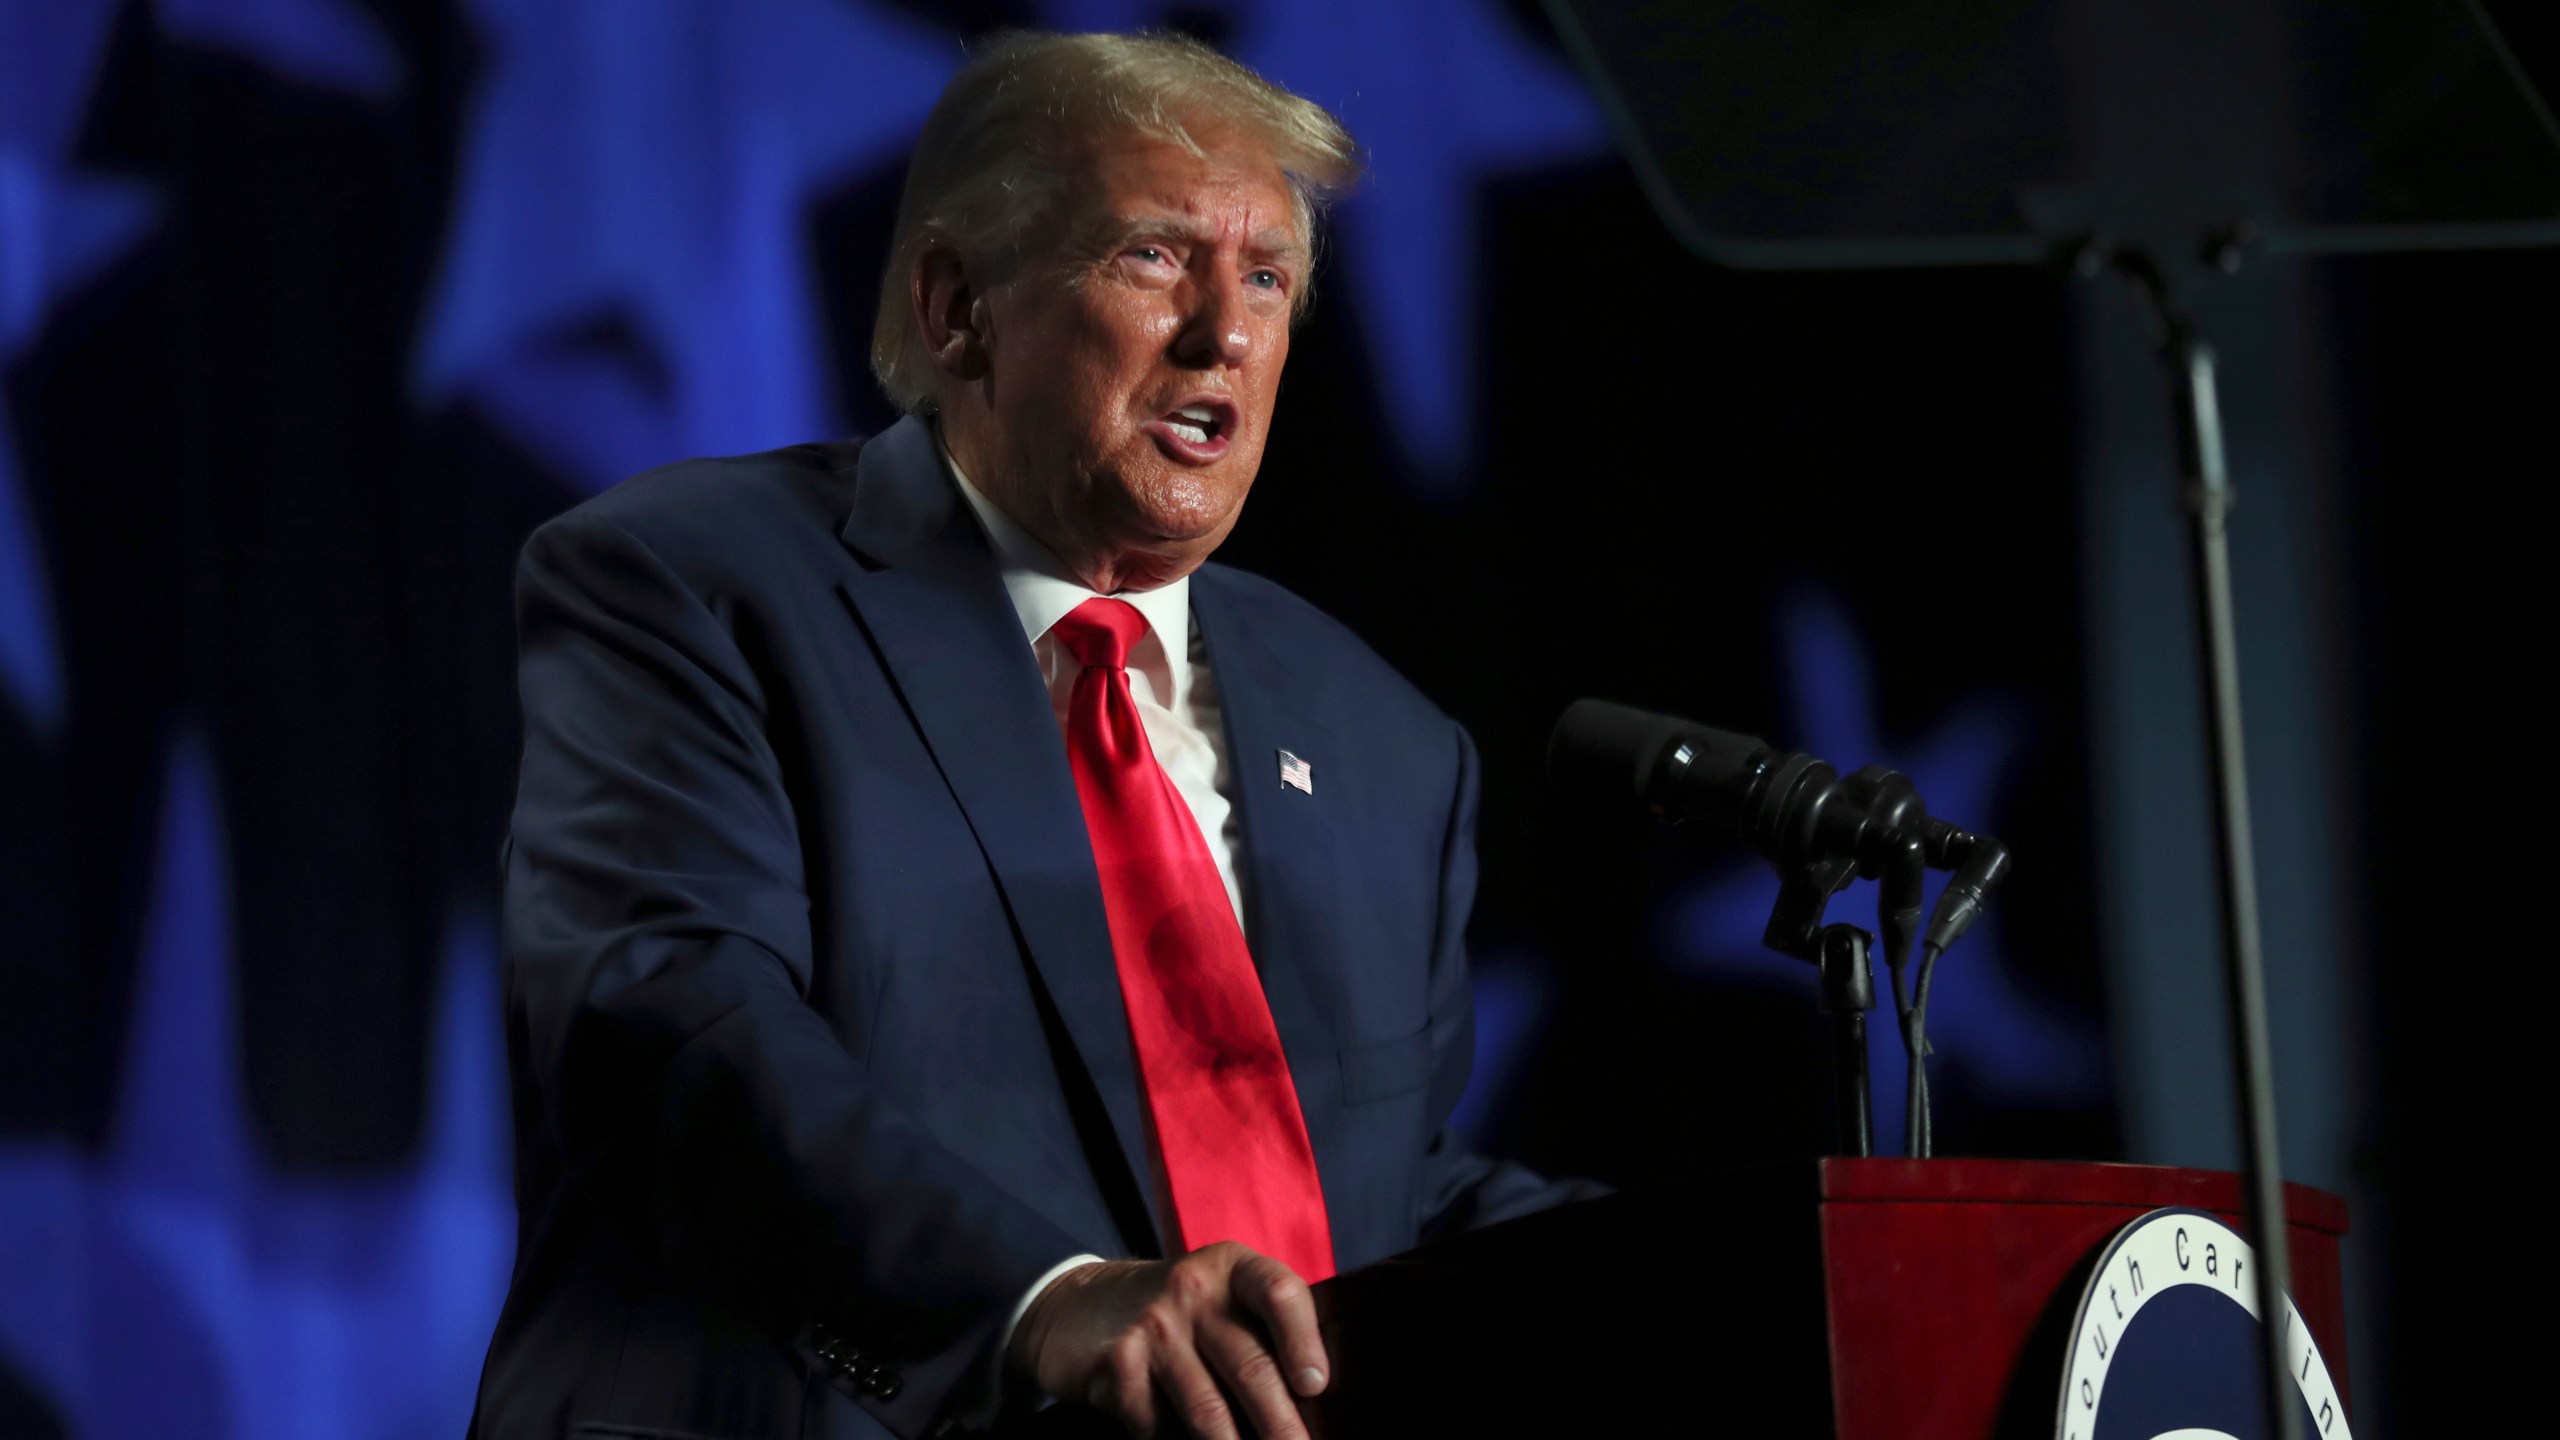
column 1237, row 1164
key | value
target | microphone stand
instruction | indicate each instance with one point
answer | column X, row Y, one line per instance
column 1848, row 993
column 1839, row 954
column 1896, row 844
column 2189, row 362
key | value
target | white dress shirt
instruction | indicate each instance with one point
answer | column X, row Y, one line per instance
column 1168, row 673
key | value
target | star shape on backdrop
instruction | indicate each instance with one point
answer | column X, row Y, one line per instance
column 1443, row 95
column 62, row 224
column 2012, row 1047
column 176, row 1284
column 626, row 279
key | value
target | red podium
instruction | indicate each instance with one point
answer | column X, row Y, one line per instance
column 1869, row 1299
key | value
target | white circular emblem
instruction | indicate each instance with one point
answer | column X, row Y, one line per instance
column 2166, row 1343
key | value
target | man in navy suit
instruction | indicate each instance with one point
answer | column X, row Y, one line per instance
column 909, row 831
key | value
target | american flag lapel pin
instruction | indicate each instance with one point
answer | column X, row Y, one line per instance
column 1297, row 774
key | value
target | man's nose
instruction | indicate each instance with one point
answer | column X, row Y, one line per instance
column 1216, row 333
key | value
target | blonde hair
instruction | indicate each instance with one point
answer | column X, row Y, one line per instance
column 997, row 151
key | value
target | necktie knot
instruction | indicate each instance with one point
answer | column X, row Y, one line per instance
column 1100, row 632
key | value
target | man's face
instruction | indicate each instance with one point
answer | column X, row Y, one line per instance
column 1131, row 374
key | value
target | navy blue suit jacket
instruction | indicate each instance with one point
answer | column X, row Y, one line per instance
column 818, row 1049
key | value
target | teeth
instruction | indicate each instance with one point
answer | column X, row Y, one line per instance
column 1196, row 434
column 1201, row 413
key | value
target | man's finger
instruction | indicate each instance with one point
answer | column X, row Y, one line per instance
column 1274, row 1292
column 1126, row 1385
column 1197, row 1401
column 1252, row 1374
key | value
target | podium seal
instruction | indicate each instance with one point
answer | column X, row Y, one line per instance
column 2165, row 1343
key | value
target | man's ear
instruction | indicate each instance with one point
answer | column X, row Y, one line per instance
column 951, row 313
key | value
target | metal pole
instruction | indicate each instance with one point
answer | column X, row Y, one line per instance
column 2209, row 498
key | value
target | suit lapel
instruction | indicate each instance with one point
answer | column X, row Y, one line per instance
column 932, row 602
column 1290, row 837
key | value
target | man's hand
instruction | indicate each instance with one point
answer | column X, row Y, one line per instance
column 1180, row 1346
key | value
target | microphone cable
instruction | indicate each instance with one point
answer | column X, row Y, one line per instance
column 1898, row 912
column 1919, row 1128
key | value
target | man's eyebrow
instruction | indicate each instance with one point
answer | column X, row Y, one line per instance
column 1275, row 243
column 1178, row 227
column 1280, row 244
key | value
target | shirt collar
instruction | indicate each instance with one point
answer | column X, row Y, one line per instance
column 1042, row 592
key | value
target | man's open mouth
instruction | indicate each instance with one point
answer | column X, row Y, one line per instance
column 1195, row 423
column 1197, row 432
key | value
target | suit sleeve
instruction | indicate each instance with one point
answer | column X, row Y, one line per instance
column 657, row 926
column 1463, row 1188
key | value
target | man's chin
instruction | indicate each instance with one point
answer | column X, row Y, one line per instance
column 1157, row 551
column 1181, row 509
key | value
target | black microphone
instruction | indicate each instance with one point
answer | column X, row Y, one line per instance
column 1783, row 805
column 1791, row 808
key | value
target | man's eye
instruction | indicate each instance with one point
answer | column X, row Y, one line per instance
column 1149, row 253
column 1266, row 279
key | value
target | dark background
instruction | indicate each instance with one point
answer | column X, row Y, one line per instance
column 262, row 733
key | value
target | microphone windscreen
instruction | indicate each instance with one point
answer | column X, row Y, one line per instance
column 1609, row 751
